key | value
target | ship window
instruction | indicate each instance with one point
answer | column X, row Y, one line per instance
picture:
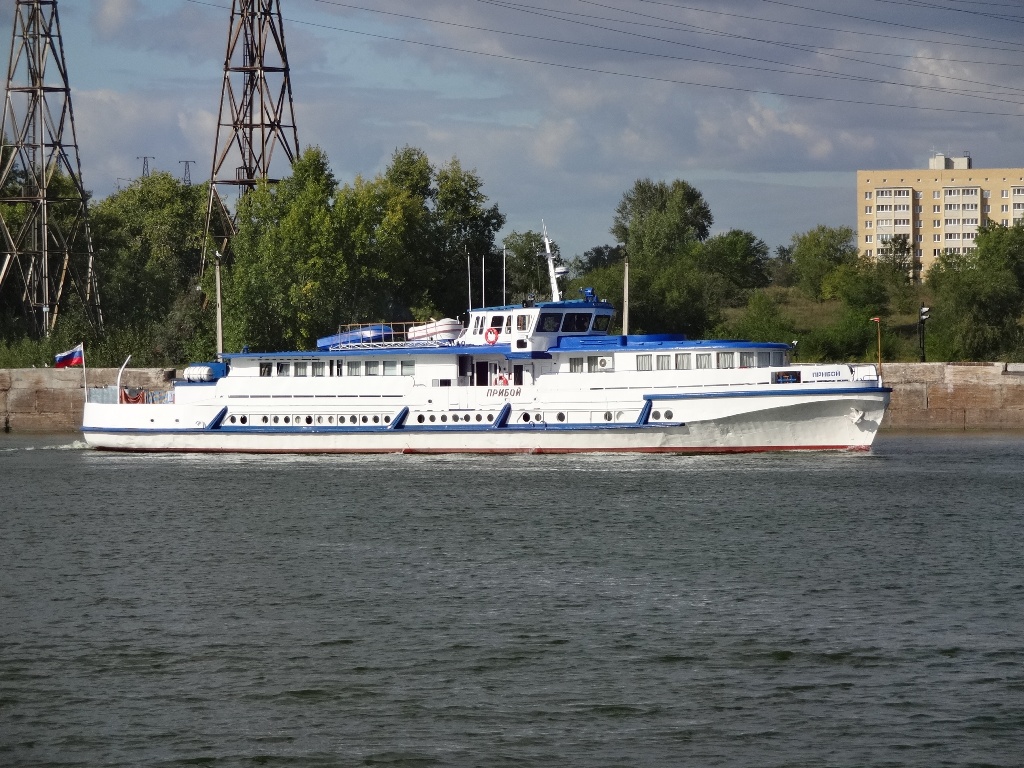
column 478, row 324
column 522, row 323
column 683, row 361
column 284, row 369
column 390, row 367
column 575, row 365
column 748, row 359
column 497, row 321
column 318, row 367
column 508, row 324
column 549, row 322
column 300, row 369
column 703, row 359
column 266, row 369
column 372, row 368
column 664, row 362
column 643, row 362
column 764, row 358
column 726, row 360
column 354, row 367
column 601, row 322
column 408, row 367
column 576, row 322
column 778, row 358
column 593, row 364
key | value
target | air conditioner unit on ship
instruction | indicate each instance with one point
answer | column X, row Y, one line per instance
column 605, row 363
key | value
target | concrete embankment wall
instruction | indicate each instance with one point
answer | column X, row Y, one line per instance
column 50, row 400
column 950, row 396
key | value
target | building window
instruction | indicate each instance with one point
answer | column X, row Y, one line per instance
column 683, row 361
column 1018, row 191
column 902, row 222
column 936, row 222
column 952, row 222
column 643, row 362
column 867, row 195
column 952, row 235
column 868, row 238
column 936, row 238
column 952, row 193
column 936, row 209
column 867, row 225
column 936, row 194
column 969, row 192
column 868, row 253
column 575, row 365
column 1004, row 193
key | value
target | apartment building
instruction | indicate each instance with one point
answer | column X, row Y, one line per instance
column 938, row 209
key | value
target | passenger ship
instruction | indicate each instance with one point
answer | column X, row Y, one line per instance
column 537, row 377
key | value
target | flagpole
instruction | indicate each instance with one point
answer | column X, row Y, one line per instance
column 85, row 382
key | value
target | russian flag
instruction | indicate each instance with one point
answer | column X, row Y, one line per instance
column 70, row 358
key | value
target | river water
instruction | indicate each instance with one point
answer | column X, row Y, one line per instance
column 775, row 610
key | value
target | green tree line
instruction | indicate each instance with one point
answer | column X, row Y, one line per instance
column 311, row 254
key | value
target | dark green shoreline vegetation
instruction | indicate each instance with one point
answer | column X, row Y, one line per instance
column 312, row 254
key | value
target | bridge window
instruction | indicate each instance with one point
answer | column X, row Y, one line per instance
column 549, row 322
column 576, row 322
column 601, row 322
column 522, row 323
column 497, row 321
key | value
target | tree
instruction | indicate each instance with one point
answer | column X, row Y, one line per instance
column 818, row 252
column 685, row 205
column 979, row 298
column 762, row 320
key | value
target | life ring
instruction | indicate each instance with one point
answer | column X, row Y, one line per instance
column 491, row 335
column 502, row 379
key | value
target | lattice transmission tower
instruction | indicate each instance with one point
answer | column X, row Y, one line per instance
column 43, row 203
column 257, row 117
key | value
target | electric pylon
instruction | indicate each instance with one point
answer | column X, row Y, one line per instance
column 43, row 203
column 256, row 113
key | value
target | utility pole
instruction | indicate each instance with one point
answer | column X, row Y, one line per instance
column 145, row 164
column 46, row 242
column 256, row 115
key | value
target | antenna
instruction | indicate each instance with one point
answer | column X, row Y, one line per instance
column 43, row 203
column 256, row 114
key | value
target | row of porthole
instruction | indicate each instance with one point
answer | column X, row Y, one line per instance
column 455, row 418
column 309, row 420
column 657, row 415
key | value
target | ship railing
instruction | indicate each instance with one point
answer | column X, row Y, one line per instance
column 419, row 343
column 110, row 395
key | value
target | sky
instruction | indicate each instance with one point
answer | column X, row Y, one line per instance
column 767, row 107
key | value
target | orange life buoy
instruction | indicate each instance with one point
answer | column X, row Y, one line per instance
column 491, row 335
column 503, row 380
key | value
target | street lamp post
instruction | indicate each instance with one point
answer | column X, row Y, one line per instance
column 922, row 317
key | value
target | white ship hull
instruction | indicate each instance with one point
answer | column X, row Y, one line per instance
column 708, row 424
